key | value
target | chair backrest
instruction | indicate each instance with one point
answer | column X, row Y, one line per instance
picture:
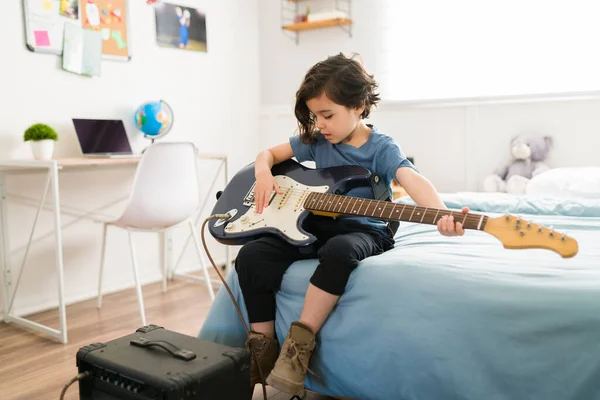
column 165, row 189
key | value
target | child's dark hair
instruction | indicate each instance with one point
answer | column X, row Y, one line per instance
column 345, row 82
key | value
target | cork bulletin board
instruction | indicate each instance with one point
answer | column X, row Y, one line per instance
column 45, row 24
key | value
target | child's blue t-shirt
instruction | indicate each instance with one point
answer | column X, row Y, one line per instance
column 380, row 154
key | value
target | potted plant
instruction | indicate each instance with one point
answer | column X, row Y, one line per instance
column 42, row 138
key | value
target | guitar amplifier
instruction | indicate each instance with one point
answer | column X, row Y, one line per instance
column 155, row 363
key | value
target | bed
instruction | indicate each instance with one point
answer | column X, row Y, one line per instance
column 455, row 317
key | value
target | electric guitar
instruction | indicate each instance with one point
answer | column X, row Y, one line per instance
column 321, row 191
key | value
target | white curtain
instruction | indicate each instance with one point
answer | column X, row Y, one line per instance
column 456, row 49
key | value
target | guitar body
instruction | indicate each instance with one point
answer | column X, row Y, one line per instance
column 324, row 192
column 286, row 213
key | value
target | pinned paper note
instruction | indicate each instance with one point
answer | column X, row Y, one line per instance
column 82, row 51
column 41, row 38
column 119, row 39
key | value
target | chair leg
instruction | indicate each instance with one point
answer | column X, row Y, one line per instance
column 165, row 239
column 204, row 266
column 102, row 259
column 136, row 277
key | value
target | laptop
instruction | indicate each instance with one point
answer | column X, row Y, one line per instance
column 102, row 138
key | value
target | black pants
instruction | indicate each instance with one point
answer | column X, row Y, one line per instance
column 341, row 245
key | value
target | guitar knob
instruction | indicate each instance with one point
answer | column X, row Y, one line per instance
column 244, row 219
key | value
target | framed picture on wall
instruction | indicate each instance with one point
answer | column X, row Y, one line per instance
column 180, row 27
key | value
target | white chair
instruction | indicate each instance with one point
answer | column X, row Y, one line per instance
column 165, row 195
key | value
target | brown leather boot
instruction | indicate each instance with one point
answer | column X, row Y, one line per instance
column 292, row 364
column 266, row 350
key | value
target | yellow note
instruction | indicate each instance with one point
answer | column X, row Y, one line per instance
column 47, row 5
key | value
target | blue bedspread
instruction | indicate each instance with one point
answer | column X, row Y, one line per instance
column 455, row 318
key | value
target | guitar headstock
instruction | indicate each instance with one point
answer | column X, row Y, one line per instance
column 517, row 233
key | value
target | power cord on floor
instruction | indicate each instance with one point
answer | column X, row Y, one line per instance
column 72, row 381
column 237, row 307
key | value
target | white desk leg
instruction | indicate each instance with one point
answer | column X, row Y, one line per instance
column 4, row 247
column 62, row 315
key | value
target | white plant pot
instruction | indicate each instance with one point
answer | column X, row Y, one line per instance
column 42, row 149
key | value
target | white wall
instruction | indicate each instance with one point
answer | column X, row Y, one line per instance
column 457, row 146
column 454, row 144
column 283, row 63
column 214, row 96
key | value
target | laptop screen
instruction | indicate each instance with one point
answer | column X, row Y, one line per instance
column 102, row 136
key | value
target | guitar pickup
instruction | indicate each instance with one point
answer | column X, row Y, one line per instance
column 249, row 198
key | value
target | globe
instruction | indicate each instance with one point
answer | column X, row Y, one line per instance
column 154, row 119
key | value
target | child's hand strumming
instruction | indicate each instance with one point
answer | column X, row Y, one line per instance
column 265, row 184
column 447, row 227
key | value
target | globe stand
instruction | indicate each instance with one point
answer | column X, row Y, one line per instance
column 151, row 143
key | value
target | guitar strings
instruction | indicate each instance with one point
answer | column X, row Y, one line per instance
column 473, row 219
column 294, row 194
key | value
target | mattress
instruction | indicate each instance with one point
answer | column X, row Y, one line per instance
column 455, row 317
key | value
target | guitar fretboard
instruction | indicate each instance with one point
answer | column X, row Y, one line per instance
column 386, row 210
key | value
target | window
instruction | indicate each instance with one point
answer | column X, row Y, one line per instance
column 456, row 49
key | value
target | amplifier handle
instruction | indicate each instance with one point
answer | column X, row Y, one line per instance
column 175, row 351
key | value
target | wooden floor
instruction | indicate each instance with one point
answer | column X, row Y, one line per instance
column 34, row 366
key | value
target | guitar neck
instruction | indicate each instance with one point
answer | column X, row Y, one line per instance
column 334, row 204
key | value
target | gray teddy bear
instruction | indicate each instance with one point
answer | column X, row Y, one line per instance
column 529, row 153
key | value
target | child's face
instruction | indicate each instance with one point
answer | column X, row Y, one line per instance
column 336, row 122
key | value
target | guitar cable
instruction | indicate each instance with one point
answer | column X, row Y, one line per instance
column 235, row 303
column 72, row 381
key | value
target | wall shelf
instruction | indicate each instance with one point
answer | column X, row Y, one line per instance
column 291, row 13
column 310, row 25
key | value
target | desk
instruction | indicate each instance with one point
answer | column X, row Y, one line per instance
column 52, row 167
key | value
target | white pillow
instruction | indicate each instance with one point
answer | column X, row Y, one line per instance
column 567, row 182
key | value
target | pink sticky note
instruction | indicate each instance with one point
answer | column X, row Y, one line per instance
column 41, row 38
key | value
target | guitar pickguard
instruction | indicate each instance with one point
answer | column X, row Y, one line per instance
column 281, row 214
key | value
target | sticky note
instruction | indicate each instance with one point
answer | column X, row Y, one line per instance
column 41, row 38
column 119, row 39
